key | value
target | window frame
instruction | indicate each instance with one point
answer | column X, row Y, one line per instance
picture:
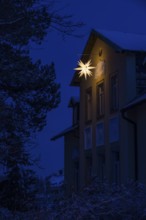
column 100, row 99
column 88, row 105
column 114, row 93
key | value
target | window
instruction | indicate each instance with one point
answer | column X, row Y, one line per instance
column 99, row 134
column 89, row 105
column 100, row 99
column 88, row 138
column 100, row 69
column 116, row 167
column 114, row 129
column 114, row 93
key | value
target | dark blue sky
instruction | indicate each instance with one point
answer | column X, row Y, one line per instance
column 121, row 15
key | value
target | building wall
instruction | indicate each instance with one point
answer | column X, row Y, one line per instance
column 122, row 64
column 141, row 124
column 136, row 138
column 71, row 161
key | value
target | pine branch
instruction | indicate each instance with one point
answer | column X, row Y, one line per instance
column 11, row 22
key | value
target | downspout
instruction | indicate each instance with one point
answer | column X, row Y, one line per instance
column 135, row 142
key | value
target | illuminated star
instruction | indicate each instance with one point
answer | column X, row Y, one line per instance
column 85, row 69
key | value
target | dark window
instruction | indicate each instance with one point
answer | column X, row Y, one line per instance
column 114, row 93
column 114, row 133
column 89, row 105
column 100, row 99
column 99, row 134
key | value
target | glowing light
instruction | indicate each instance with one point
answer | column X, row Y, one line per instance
column 85, row 69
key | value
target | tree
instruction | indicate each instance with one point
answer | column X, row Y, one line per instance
column 18, row 188
column 31, row 19
column 28, row 90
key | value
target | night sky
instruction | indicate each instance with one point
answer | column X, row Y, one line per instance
column 120, row 15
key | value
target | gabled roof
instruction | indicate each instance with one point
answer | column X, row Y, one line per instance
column 137, row 101
column 125, row 41
column 120, row 41
column 64, row 132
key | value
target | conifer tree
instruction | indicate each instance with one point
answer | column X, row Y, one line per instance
column 28, row 91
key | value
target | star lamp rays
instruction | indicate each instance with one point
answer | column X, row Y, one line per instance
column 85, row 69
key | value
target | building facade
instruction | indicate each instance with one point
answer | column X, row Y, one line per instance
column 112, row 142
column 112, row 124
column 71, row 149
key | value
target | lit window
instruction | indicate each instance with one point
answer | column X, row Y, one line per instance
column 100, row 69
column 100, row 99
column 114, row 93
column 89, row 105
column 88, row 138
column 99, row 134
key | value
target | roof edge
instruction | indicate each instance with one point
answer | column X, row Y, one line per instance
column 66, row 131
column 109, row 42
column 137, row 101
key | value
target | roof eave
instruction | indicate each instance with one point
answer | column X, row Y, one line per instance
column 75, row 80
column 63, row 133
column 133, row 105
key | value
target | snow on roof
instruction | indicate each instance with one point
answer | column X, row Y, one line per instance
column 121, row 41
column 139, row 100
column 124, row 40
